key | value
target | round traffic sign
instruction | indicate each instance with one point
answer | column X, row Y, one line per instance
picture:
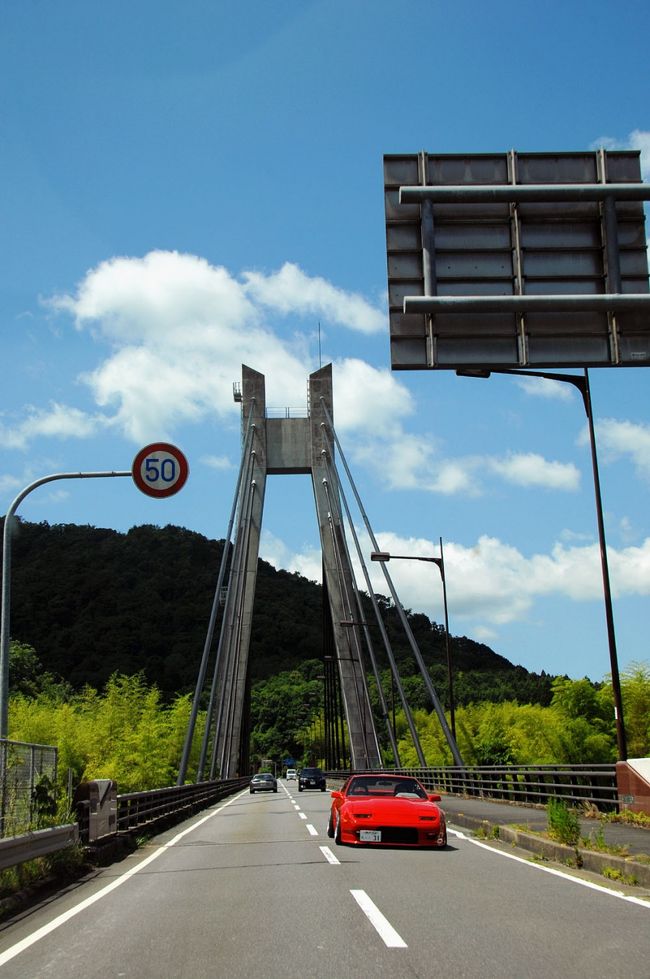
column 160, row 469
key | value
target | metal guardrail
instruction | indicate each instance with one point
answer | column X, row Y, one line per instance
column 39, row 843
column 524, row 784
column 135, row 810
column 140, row 810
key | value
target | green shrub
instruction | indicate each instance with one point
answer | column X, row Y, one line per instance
column 563, row 823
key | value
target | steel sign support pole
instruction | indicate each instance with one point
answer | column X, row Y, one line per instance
column 621, row 739
column 582, row 384
column 6, row 582
column 450, row 675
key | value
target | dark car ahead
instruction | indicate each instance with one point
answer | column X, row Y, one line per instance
column 311, row 778
column 264, row 782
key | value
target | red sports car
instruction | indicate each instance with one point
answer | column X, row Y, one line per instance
column 384, row 809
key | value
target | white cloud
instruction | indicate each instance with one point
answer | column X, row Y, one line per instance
column 546, row 387
column 178, row 330
column 488, row 585
column 638, row 139
column 417, row 462
column 290, row 290
column 59, row 421
column 531, row 469
column 308, row 563
column 147, row 299
column 625, row 438
column 9, row 483
column 369, row 399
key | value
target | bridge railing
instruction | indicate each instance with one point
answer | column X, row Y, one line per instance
column 525, row 784
column 131, row 811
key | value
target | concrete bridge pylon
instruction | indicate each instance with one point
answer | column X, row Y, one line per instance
column 285, row 446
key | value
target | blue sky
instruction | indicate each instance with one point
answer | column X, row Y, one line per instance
column 186, row 187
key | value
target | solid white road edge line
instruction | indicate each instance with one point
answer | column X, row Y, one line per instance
column 26, row 943
column 382, row 925
column 551, row 870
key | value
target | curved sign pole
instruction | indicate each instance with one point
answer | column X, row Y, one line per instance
column 159, row 470
column 6, row 582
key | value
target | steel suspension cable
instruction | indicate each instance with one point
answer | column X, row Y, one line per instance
column 241, row 555
column 451, row 741
column 343, row 591
column 187, row 747
column 387, row 646
column 371, row 651
column 332, row 472
column 244, row 472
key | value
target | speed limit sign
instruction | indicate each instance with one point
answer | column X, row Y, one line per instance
column 160, row 469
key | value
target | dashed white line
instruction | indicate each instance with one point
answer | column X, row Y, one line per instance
column 382, row 925
column 302, row 815
column 312, row 830
column 329, row 856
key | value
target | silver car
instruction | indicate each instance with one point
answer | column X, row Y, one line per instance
column 264, row 782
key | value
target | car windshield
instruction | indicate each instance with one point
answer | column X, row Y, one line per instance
column 311, row 771
column 263, row 778
column 385, row 786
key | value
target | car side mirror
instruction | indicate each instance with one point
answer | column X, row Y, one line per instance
column 434, row 797
column 337, row 795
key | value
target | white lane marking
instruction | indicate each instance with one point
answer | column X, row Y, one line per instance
column 312, row 830
column 383, row 926
column 556, row 873
column 302, row 815
column 26, row 943
column 329, row 856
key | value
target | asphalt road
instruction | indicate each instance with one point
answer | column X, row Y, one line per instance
column 253, row 887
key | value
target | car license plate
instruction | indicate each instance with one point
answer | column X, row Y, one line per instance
column 370, row 835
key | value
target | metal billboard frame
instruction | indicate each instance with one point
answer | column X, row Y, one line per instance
column 517, row 260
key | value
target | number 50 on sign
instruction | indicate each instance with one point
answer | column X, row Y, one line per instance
column 160, row 469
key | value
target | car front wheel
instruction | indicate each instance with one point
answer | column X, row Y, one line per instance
column 337, row 831
column 330, row 827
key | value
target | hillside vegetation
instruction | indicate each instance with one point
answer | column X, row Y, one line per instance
column 108, row 630
column 94, row 602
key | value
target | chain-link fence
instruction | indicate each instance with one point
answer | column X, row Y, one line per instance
column 27, row 786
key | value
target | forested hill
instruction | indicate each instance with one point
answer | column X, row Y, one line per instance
column 93, row 602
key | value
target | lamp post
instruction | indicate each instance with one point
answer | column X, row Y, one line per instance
column 383, row 556
column 581, row 382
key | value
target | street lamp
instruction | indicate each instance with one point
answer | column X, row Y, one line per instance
column 383, row 556
column 581, row 382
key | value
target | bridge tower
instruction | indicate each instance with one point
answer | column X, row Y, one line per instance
column 285, row 446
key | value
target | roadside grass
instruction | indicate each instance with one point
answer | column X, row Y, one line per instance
column 19, row 884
